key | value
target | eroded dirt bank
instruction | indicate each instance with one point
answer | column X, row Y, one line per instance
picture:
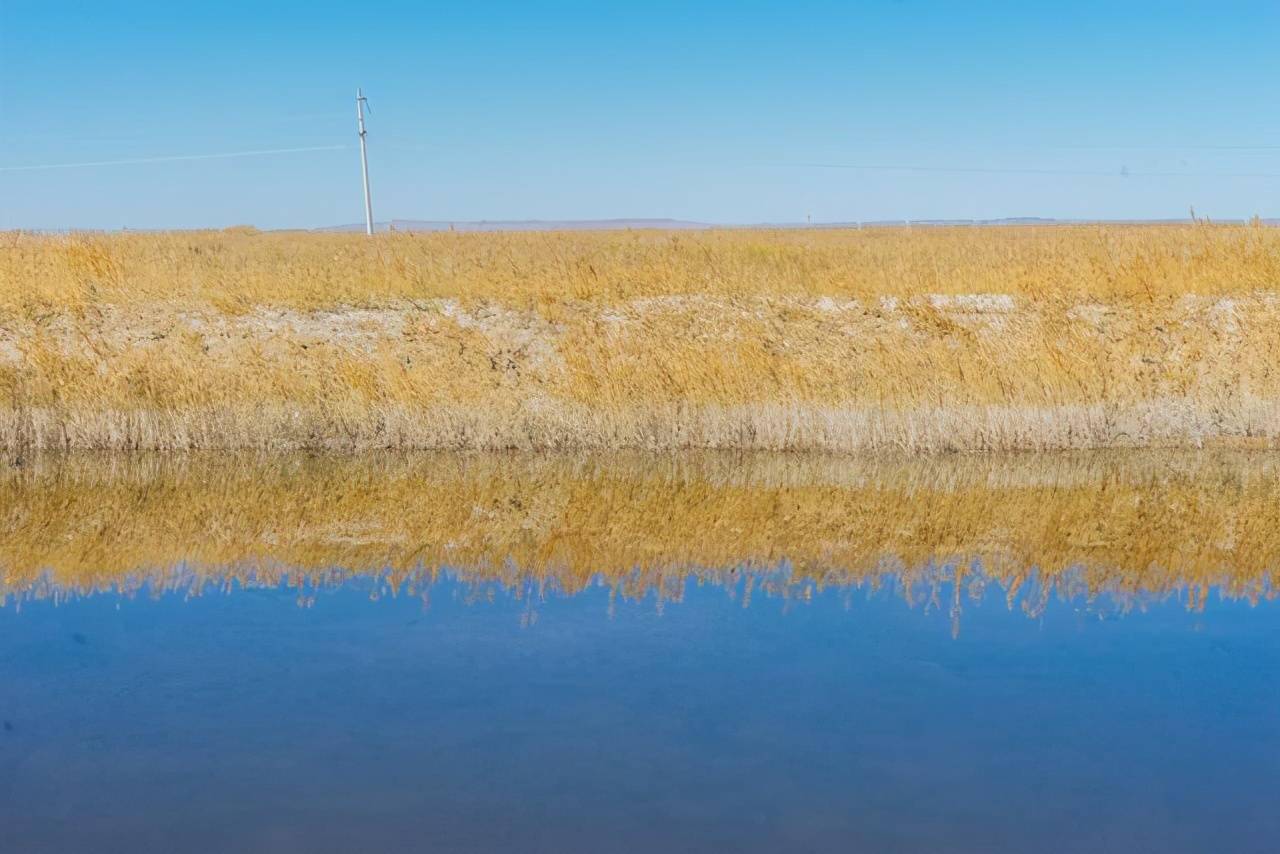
column 930, row 373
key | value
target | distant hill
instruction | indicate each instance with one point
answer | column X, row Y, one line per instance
column 526, row 225
column 423, row 225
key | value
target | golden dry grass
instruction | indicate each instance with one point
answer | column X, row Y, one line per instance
column 1125, row 526
column 923, row 339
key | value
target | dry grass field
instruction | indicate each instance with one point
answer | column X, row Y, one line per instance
column 1121, row 528
column 926, row 339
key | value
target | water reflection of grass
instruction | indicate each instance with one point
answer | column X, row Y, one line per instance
column 1128, row 525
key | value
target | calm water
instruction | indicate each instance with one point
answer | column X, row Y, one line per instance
column 475, row 713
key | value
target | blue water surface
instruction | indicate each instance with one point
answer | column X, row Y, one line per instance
column 244, row 722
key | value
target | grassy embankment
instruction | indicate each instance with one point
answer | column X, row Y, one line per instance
column 1120, row 526
column 924, row 339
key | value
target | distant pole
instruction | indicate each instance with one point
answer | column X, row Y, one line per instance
column 364, row 163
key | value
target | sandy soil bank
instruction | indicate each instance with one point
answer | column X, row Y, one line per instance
column 930, row 373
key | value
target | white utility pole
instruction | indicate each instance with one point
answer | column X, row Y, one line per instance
column 364, row 164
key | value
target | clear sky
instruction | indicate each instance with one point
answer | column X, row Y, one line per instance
column 705, row 111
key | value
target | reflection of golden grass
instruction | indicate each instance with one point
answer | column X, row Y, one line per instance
column 1127, row 525
column 928, row 339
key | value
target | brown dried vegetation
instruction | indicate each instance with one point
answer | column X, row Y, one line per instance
column 923, row 339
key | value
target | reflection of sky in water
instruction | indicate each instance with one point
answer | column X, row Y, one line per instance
column 815, row 722
column 950, row 586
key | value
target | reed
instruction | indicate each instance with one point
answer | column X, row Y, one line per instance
column 921, row 339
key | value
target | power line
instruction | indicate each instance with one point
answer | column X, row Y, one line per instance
column 1093, row 173
column 169, row 158
column 1190, row 147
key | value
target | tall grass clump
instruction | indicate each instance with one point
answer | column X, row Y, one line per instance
column 921, row 339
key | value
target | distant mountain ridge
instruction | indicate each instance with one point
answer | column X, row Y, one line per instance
column 662, row 224
column 527, row 225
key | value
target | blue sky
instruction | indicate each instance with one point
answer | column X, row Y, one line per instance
column 706, row 111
